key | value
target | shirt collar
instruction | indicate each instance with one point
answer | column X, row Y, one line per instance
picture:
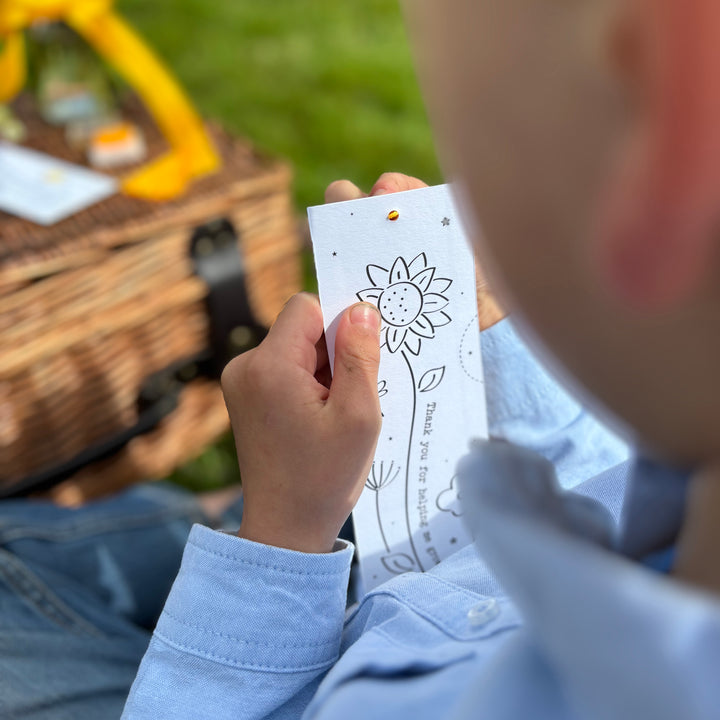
column 654, row 508
column 635, row 507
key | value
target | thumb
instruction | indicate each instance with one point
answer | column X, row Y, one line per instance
column 357, row 358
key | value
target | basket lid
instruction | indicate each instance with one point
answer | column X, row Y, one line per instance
column 29, row 251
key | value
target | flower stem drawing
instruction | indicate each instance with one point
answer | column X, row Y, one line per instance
column 379, row 519
column 407, row 464
column 411, row 302
column 376, row 482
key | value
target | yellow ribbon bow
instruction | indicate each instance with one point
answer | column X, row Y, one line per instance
column 191, row 154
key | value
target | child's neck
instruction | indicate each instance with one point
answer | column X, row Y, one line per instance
column 698, row 553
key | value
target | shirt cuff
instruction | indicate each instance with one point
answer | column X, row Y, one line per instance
column 251, row 605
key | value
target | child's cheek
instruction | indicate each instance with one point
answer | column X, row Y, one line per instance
column 526, row 111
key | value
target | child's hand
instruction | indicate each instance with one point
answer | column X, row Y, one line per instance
column 389, row 182
column 305, row 444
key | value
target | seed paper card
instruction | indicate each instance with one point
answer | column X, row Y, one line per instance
column 45, row 190
column 407, row 253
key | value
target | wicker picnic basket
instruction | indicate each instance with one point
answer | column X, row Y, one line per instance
column 115, row 323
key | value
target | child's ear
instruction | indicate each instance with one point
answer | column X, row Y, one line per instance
column 661, row 221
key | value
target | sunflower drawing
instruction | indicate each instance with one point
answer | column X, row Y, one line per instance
column 410, row 300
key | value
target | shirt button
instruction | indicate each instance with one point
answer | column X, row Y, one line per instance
column 483, row 613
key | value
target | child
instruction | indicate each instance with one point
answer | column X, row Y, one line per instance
column 586, row 135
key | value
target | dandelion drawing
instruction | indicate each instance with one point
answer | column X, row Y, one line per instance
column 411, row 302
column 381, row 477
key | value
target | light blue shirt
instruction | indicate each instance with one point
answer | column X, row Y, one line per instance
column 563, row 626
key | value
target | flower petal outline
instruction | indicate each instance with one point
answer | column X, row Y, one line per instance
column 395, row 338
column 433, row 302
column 399, row 271
column 379, row 276
column 417, row 264
column 440, row 285
column 424, row 278
column 412, row 343
column 370, row 295
column 440, row 319
column 423, row 327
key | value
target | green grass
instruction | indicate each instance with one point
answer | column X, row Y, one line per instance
column 327, row 84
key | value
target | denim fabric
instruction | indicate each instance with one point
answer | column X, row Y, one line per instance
column 79, row 590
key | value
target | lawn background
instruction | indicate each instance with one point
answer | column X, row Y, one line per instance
column 327, row 84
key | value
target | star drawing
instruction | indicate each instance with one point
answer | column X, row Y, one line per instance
column 410, row 300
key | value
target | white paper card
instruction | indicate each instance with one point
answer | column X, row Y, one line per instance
column 45, row 190
column 419, row 271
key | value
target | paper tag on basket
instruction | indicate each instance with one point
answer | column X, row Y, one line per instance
column 408, row 254
column 45, row 190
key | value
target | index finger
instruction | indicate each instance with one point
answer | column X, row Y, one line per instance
column 342, row 190
column 392, row 182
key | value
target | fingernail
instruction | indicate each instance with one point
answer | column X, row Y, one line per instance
column 365, row 314
column 380, row 191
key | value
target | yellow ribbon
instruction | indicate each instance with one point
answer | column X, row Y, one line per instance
column 191, row 151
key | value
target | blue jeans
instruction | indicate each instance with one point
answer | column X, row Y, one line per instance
column 80, row 592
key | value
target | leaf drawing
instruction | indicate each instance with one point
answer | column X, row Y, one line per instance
column 431, row 379
column 398, row 563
